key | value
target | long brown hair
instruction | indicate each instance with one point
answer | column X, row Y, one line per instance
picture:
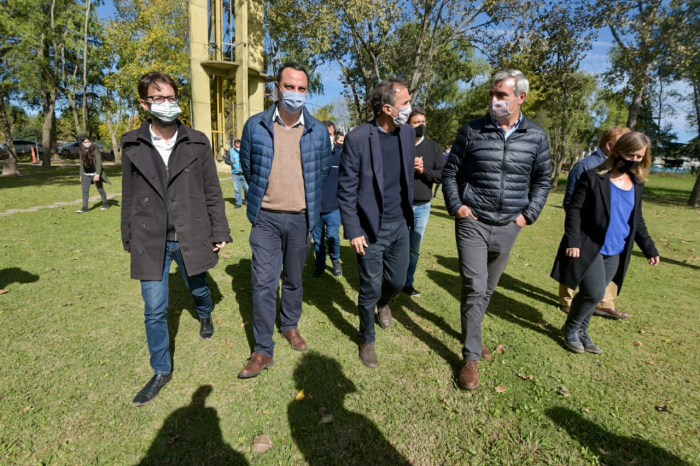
column 627, row 144
column 87, row 155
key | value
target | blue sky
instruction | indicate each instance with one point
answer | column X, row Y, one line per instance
column 596, row 62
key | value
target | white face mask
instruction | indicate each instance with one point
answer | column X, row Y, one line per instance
column 165, row 111
column 86, row 145
column 500, row 109
column 403, row 115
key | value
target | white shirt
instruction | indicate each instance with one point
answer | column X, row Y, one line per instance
column 278, row 118
column 163, row 147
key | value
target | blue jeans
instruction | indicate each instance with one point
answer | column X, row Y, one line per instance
column 238, row 181
column 155, row 297
column 421, row 215
column 328, row 228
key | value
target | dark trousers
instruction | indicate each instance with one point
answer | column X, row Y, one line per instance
column 327, row 229
column 483, row 255
column 86, row 181
column 279, row 242
column 591, row 291
column 382, row 273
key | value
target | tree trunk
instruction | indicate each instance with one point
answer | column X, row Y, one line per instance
column 47, row 129
column 85, row 58
column 113, row 137
column 636, row 105
column 694, row 200
column 562, row 147
column 10, row 166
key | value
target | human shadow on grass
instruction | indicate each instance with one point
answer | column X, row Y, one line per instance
column 502, row 306
column 610, row 448
column 40, row 176
column 191, row 435
column 351, row 438
column 242, row 288
column 12, row 275
column 666, row 260
column 110, row 202
column 180, row 299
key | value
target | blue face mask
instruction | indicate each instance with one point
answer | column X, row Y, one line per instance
column 292, row 101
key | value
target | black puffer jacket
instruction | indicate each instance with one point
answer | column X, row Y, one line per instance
column 498, row 179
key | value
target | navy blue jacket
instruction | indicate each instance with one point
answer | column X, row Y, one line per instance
column 329, row 202
column 361, row 180
column 258, row 150
column 592, row 161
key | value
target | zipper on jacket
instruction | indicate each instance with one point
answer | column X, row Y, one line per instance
column 503, row 173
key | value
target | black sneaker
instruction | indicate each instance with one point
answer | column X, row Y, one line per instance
column 206, row 328
column 572, row 339
column 412, row 292
column 150, row 391
column 104, row 207
column 238, row 206
column 81, row 211
column 337, row 269
column 317, row 273
column 588, row 345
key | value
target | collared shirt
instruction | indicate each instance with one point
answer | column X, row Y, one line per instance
column 512, row 128
column 277, row 118
column 164, row 148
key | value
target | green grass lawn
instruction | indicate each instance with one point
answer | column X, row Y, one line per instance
column 73, row 353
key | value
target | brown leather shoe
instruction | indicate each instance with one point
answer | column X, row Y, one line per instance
column 367, row 355
column 255, row 366
column 295, row 339
column 469, row 377
column 565, row 309
column 385, row 317
column 610, row 312
column 485, row 353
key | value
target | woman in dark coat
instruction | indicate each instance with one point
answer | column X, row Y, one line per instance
column 91, row 171
column 603, row 220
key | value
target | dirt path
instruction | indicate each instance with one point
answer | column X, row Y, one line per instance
column 54, row 206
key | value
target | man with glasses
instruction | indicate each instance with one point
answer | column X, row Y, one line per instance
column 172, row 210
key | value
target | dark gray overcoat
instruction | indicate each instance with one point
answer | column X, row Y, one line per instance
column 587, row 221
column 196, row 203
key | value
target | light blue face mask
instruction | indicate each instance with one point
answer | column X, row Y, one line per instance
column 292, row 101
column 166, row 111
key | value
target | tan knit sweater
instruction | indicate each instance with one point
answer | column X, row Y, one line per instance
column 285, row 190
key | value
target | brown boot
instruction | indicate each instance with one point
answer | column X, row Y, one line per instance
column 368, row 355
column 565, row 309
column 384, row 317
column 485, row 353
column 469, row 377
column 610, row 313
column 295, row 339
column 255, row 366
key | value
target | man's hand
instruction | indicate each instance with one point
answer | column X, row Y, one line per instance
column 219, row 246
column 359, row 244
column 418, row 164
column 521, row 221
column 96, row 178
column 465, row 211
column 573, row 252
column 654, row 260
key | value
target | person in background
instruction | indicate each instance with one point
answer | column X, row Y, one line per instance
column 603, row 221
column 286, row 157
column 339, row 139
column 495, row 182
column 375, row 195
column 172, row 210
column 606, row 308
column 446, row 155
column 91, row 171
column 233, row 159
column 328, row 229
column 427, row 169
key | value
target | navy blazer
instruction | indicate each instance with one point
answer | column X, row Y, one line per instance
column 361, row 180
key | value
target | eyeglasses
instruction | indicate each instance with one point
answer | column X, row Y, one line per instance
column 159, row 99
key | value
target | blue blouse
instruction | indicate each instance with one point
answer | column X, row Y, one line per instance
column 621, row 207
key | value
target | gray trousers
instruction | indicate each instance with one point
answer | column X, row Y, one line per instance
column 279, row 241
column 483, row 255
column 86, row 181
column 382, row 273
column 591, row 290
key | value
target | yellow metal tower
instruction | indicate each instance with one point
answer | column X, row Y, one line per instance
column 210, row 67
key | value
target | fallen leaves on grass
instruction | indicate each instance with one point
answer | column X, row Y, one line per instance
column 229, row 343
column 226, row 256
column 4, row 291
column 262, row 443
column 326, row 416
column 26, row 410
column 586, row 410
column 501, row 389
column 301, row 395
column 638, row 343
column 663, row 409
column 501, row 349
column 526, row 377
column 563, row 391
column 642, row 331
column 172, row 439
column 243, row 324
